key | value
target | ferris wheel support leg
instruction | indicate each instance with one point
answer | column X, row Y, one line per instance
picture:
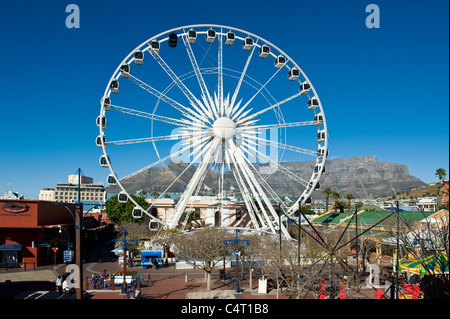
column 179, row 209
column 244, row 192
column 251, row 182
column 261, row 193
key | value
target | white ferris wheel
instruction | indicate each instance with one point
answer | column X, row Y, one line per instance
column 226, row 104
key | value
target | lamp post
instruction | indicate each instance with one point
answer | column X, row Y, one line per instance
column 125, row 242
column 79, row 219
column 235, row 242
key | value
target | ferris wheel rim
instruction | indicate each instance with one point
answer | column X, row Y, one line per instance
column 129, row 58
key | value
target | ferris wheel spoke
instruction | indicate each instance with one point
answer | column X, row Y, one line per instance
column 180, row 207
column 260, row 89
column 171, row 155
column 277, row 165
column 176, row 180
column 244, row 71
column 220, row 67
column 243, row 119
column 280, row 145
column 165, row 119
column 179, row 107
column 198, row 74
column 148, row 139
column 258, row 128
column 192, row 99
column 266, row 185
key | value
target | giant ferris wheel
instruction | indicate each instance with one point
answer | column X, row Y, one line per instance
column 226, row 105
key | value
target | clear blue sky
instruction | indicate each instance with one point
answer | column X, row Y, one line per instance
column 384, row 91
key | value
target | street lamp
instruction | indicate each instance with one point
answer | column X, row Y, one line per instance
column 125, row 241
column 235, row 242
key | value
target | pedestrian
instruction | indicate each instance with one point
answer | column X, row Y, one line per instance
column 59, row 285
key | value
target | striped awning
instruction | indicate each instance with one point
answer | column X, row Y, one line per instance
column 432, row 264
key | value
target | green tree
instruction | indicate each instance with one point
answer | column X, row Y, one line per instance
column 327, row 191
column 155, row 194
column 336, row 196
column 121, row 212
column 349, row 198
column 441, row 173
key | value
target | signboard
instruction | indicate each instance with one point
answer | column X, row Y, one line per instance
column 15, row 207
column 68, row 256
column 262, row 287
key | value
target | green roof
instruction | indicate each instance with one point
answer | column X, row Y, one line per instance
column 331, row 218
column 371, row 218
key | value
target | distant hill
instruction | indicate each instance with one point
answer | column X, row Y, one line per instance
column 362, row 176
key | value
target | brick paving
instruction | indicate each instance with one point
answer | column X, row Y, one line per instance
column 162, row 283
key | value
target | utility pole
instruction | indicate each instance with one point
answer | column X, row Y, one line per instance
column 79, row 249
column 79, row 240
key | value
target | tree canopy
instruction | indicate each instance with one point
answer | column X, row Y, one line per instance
column 121, row 212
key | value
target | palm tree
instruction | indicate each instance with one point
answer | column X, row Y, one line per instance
column 336, row 196
column 327, row 191
column 349, row 198
column 441, row 173
column 155, row 194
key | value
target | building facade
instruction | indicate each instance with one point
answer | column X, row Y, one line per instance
column 33, row 233
column 68, row 192
column 11, row 195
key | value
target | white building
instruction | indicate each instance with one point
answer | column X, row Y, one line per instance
column 68, row 192
column 428, row 204
column 11, row 195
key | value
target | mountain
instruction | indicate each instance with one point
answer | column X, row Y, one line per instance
column 362, row 176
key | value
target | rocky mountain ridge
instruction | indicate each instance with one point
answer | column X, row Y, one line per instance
column 362, row 176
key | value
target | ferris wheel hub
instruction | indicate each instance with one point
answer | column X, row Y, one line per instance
column 224, row 128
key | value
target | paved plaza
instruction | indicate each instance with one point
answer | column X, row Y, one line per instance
column 161, row 283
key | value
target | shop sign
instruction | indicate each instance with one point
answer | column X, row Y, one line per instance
column 15, row 207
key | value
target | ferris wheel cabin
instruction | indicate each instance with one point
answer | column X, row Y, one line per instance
column 293, row 74
column 321, row 152
column 136, row 212
column 111, row 180
column 125, row 70
column 317, row 168
column 313, row 103
column 106, row 103
column 321, row 136
column 139, row 57
column 173, row 40
column 264, row 51
column 122, row 197
column 280, row 61
column 304, row 88
column 103, row 161
column 229, row 38
column 99, row 140
column 192, row 36
column 318, row 119
column 114, row 86
column 248, row 43
column 101, row 121
column 210, row 36
column 155, row 47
